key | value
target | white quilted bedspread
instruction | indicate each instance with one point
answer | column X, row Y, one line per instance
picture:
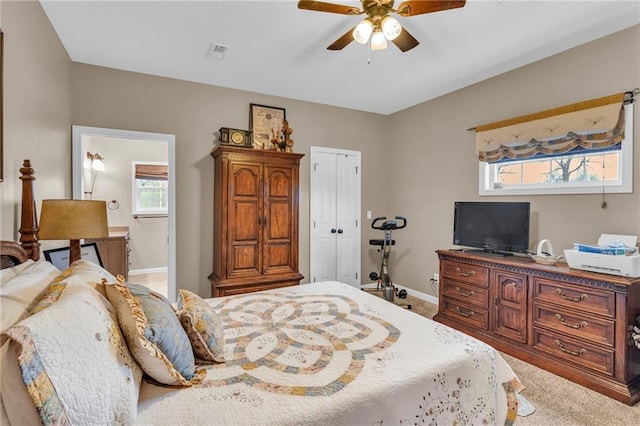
column 326, row 353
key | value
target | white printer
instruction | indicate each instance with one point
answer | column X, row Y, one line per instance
column 625, row 264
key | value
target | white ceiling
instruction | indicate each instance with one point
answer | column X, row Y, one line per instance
column 277, row 49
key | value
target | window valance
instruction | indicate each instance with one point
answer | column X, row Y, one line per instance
column 593, row 125
column 152, row 171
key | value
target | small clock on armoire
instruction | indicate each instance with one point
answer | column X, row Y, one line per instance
column 235, row 137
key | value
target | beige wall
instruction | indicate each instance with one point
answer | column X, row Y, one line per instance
column 37, row 109
column 193, row 112
column 434, row 164
column 425, row 152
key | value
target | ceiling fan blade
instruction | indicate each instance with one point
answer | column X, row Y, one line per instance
column 321, row 6
column 419, row 7
column 405, row 41
column 343, row 41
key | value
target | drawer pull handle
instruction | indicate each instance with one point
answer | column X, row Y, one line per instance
column 465, row 293
column 572, row 299
column 577, row 326
column 569, row 351
column 463, row 313
column 465, row 274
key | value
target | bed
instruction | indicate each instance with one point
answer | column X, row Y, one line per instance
column 321, row 353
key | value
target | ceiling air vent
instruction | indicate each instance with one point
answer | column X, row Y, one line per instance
column 216, row 51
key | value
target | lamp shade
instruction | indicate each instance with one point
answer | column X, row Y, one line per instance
column 73, row 220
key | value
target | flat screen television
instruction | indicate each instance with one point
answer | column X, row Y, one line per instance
column 494, row 227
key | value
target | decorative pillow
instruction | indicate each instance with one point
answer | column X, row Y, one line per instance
column 154, row 334
column 202, row 326
column 73, row 362
column 81, row 272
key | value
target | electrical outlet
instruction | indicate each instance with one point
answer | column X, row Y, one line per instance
column 369, row 214
column 435, row 283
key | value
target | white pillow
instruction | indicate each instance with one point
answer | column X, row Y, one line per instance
column 20, row 288
column 20, row 293
column 8, row 273
column 73, row 361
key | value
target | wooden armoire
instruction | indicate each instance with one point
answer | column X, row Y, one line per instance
column 255, row 222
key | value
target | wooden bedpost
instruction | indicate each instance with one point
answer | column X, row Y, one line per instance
column 28, row 218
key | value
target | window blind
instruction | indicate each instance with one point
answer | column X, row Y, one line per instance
column 152, row 171
column 593, row 125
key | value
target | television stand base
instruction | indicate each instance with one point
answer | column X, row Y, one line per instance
column 496, row 253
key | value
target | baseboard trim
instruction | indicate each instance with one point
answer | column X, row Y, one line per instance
column 148, row 271
column 411, row 292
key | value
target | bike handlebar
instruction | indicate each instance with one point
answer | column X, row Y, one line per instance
column 389, row 224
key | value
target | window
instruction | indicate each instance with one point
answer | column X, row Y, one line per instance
column 584, row 172
column 150, row 188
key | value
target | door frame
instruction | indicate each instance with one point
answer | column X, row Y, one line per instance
column 77, row 161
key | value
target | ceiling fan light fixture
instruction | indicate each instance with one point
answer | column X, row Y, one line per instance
column 363, row 31
column 391, row 27
column 378, row 41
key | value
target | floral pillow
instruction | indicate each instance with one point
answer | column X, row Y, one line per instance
column 154, row 334
column 81, row 271
column 202, row 325
column 72, row 361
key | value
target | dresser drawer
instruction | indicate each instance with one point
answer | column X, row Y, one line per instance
column 574, row 350
column 477, row 296
column 577, row 325
column 472, row 274
column 582, row 298
column 471, row 316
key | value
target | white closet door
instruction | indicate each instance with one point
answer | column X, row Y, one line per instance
column 323, row 217
column 348, row 219
column 335, row 216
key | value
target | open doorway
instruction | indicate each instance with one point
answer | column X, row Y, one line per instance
column 149, row 235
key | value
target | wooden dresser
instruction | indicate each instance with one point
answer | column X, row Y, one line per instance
column 114, row 251
column 573, row 323
column 255, row 224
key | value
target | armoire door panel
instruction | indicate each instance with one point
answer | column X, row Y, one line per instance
column 279, row 220
column 244, row 221
column 246, row 180
column 244, row 259
column 278, row 255
column 278, row 182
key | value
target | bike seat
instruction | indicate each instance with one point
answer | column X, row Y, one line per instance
column 380, row 242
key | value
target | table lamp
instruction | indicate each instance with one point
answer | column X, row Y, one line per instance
column 73, row 220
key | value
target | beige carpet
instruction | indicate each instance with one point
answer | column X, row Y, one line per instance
column 557, row 401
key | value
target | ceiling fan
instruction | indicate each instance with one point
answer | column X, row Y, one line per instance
column 379, row 25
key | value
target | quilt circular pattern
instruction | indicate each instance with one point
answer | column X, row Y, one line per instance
column 321, row 340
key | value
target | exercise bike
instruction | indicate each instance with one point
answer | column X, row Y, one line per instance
column 383, row 278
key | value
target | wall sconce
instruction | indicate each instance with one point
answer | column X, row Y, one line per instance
column 97, row 161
